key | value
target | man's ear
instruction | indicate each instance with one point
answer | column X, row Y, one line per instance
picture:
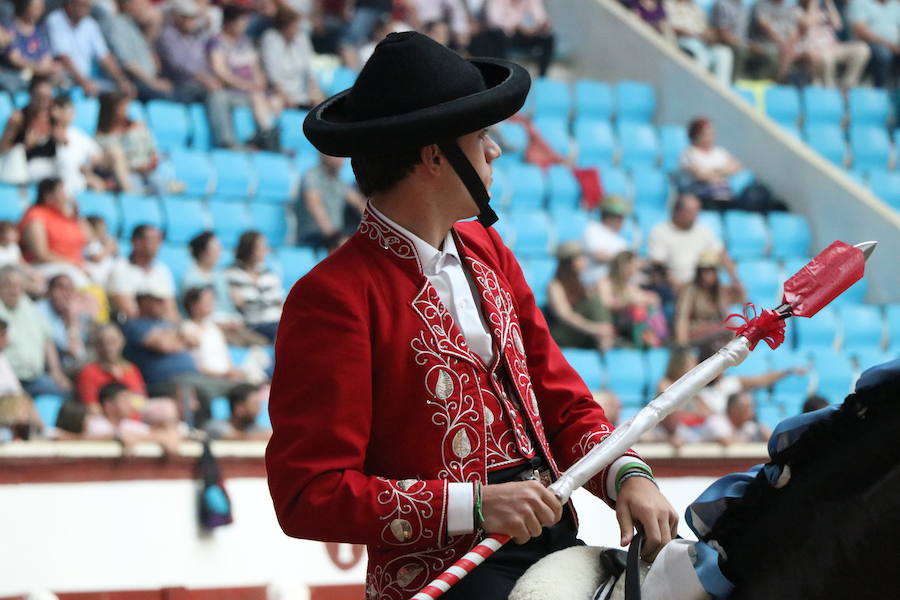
column 432, row 159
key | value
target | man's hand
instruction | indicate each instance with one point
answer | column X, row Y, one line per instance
column 520, row 509
column 640, row 503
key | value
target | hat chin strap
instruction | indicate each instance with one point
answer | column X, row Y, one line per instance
column 471, row 180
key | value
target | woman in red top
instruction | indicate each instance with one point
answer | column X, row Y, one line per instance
column 53, row 235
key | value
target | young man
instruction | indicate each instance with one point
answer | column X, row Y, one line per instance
column 418, row 400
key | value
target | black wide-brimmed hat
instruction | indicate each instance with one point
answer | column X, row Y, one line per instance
column 413, row 92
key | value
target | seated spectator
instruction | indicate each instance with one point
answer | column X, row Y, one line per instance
column 205, row 339
column 328, row 25
column 134, row 52
column 69, row 324
column 245, row 401
column 707, row 167
column 636, row 313
column 78, row 44
column 737, row 425
column 182, row 55
column 450, row 17
column 819, row 45
column 128, row 143
column 672, row 430
column 713, row 399
column 287, row 54
column 18, row 414
column 365, row 15
column 775, row 32
column 79, row 159
column 688, row 22
column 814, row 403
column 877, row 22
column 141, row 269
column 679, row 242
column 100, row 252
column 322, row 207
column 53, row 236
column 681, row 360
column 730, row 25
column 11, row 254
column 255, row 290
column 29, row 136
column 704, row 304
column 235, row 63
column 116, row 421
column 576, row 314
column 31, row 350
column 603, row 239
column 610, row 403
column 109, row 366
column 653, row 13
column 29, row 50
column 516, row 25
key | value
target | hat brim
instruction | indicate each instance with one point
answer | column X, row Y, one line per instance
column 330, row 130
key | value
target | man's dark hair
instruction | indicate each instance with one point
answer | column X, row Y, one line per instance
column 191, row 296
column 376, row 174
column 246, row 244
column 199, row 243
column 239, row 394
column 733, row 401
column 95, row 220
column 38, row 80
column 814, row 402
column 45, row 188
column 111, row 390
column 3, row 325
column 63, row 101
column 139, row 230
column 6, row 226
column 54, row 281
column 20, row 7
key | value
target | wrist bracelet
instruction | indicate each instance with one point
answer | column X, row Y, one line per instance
column 478, row 515
column 631, row 474
column 629, row 467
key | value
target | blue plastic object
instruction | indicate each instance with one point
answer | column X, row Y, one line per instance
column 139, row 210
column 563, row 190
column 514, row 138
column 48, row 407
column 551, row 98
column 818, row 332
column 627, row 373
column 782, row 104
column 886, row 185
column 828, row 140
column 11, row 206
column 178, row 258
column 185, row 218
column 871, row 147
column 86, row 112
column 555, row 132
column 271, row 220
column 230, row 219
column 533, row 233
column 527, row 187
column 587, row 364
column 762, row 280
column 295, row 263
column 103, row 205
column 868, row 106
column 193, row 168
column 233, row 173
column 342, row 79
column 673, row 141
column 638, row 143
column 596, row 143
column 616, row 182
column 651, row 186
column 244, row 124
column 275, row 177
column 593, row 99
column 791, row 235
column 220, row 409
column 538, row 273
column 570, row 223
column 201, row 136
column 747, row 234
column 635, row 101
column 863, row 326
column 291, row 128
column 170, row 123
column 822, row 105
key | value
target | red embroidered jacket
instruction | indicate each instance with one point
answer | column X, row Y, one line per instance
column 377, row 402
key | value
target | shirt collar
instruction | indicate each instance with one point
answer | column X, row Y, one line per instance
column 431, row 258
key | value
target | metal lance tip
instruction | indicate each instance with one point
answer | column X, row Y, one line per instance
column 867, row 247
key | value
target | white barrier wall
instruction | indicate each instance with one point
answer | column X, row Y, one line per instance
column 610, row 44
column 143, row 535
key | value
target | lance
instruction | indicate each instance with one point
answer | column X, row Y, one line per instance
column 815, row 285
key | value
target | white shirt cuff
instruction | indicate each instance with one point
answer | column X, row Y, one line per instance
column 614, row 472
column 460, row 508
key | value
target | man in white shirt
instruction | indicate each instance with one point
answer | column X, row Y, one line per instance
column 737, row 425
column 603, row 239
column 679, row 242
column 141, row 269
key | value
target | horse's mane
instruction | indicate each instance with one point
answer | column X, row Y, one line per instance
column 834, row 530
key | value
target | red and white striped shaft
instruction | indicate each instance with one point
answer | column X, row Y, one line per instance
column 462, row 567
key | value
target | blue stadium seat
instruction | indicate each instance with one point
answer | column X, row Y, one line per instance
column 103, row 205
column 193, row 169
column 533, row 233
column 276, row 180
column 587, row 364
column 342, row 79
column 740, row 181
column 627, row 375
column 819, row 332
column 822, row 105
column 86, row 112
column 596, row 143
column 638, row 143
column 304, row 161
column 651, row 186
column 892, row 318
column 657, row 361
column 792, row 384
column 201, row 136
column 550, row 98
column 635, row 101
column 616, row 182
column 570, row 223
column 527, row 187
column 886, row 185
column 230, row 219
column 746, row 95
column 747, row 234
column 139, row 210
column 48, row 408
column 170, row 123
column 782, row 104
column 538, row 273
column 867, row 357
column 263, row 420
column 793, row 130
column 244, row 124
column 6, row 107
column 868, row 106
column 295, row 263
column 593, row 99
column 233, row 173
column 713, row 220
column 828, row 140
column 834, row 374
column 673, row 141
column 271, row 220
column 863, row 326
column 555, row 132
column 791, row 235
column 855, row 294
column 762, row 280
column 291, row 127
column 136, row 111
column 185, row 218
column 178, row 258
column 515, row 139
column 563, row 190
column 756, row 363
column 871, row 147
column 220, row 409
column 21, row 99
column 770, row 415
column 11, row 205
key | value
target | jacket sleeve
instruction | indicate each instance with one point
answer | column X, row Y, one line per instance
column 573, row 421
column 321, row 410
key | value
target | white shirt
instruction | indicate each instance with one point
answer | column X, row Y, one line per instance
column 83, row 42
column 458, row 292
column 78, row 151
column 706, row 160
column 211, row 355
column 600, row 238
column 680, row 249
column 9, row 383
column 10, row 255
column 127, row 278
